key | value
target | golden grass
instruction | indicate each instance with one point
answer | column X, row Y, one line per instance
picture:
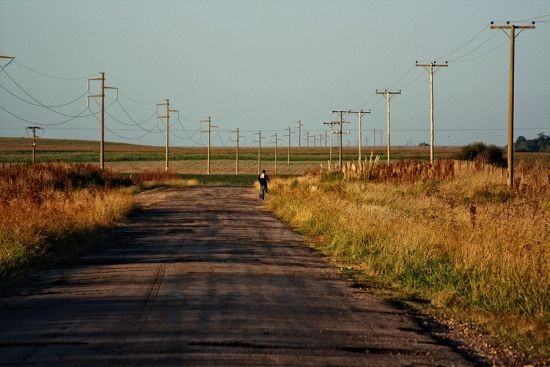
column 45, row 207
column 461, row 240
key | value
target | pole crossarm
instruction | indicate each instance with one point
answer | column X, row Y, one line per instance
column 102, row 120
column 360, row 131
column 258, row 139
column 5, row 57
column 166, row 103
column 389, row 94
column 430, row 68
column 288, row 134
column 299, row 126
column 33, row 144
column 340, row 122
column 512, row 36
column 209, row 131
column 236, row 140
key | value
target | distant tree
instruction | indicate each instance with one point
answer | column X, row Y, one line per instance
column 482, row 152
column 423, row 144
column 540, row 144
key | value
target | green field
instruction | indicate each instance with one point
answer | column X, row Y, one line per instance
column 18, row 150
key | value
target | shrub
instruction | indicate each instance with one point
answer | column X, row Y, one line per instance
column 483, row 153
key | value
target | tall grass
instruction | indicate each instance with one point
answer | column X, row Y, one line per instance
column 454, row 234
column 46, row 206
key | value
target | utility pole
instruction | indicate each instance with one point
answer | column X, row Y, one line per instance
column 167, row 117
column 388, row 95
column 360, row 140
column 102, row 120
column 300, row 125
column 307, row 139
column 374, row 137
column 288, row 149
column 341, row 122
column 512, row 36
column 275, row 139
column 237, row 140
column 259, row 141
column 430, row 69
column 33, row 128
column 332, row 123
column 209, row 131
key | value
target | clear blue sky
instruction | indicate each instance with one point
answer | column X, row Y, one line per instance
column 266, row 64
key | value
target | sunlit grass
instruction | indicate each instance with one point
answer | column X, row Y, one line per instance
column 463, row 241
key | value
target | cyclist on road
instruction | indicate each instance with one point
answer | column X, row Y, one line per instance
column 263, row 179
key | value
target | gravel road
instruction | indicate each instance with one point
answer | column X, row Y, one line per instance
column 205, row 276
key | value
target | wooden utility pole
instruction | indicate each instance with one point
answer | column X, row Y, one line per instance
column 167, row 143
column 288, row 148
column 102, row 119
column 259, row 141
column 275, row 139
column 340, row 122
column 512, row 36
column 209, row 131
column 300, row 125
column 430, row 68
column 388, row 95
column 237, row 141
column 332, row 123
column 360, row 139
column 33, row 144
column 307, row 139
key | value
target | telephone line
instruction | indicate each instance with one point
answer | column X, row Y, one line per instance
column 47, row 123
column 131, row 118
column 483, row 29
column 136, row 100
column 51, row 76
column 39, row 105
column 483, row 54
column 475, row 49
column 34, row 99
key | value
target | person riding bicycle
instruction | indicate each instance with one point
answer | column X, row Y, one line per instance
column 263, row 179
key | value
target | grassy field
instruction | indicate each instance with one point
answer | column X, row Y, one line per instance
column 49, row 209
column 18, row 150
column 453, row 235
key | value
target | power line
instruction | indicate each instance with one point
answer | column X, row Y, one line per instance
column 132, row 119
column 48, row 123
column 136, row 100
column 33, row 98
column 483, row 29
column 39, row 105
column 474, row 49
column 483, row 54
column 51, row 76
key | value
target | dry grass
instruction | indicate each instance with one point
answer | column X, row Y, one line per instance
column 451, row 233
column 45, row 206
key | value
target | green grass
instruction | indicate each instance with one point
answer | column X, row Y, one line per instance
column 68, row 156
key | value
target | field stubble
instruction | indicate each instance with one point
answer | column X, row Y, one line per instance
column 453, row 234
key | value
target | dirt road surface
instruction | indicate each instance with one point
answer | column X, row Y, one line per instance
column 204, row 276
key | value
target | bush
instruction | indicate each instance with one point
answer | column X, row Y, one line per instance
column 483, row 153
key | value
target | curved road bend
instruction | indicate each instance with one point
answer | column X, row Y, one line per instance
column 204, row 276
